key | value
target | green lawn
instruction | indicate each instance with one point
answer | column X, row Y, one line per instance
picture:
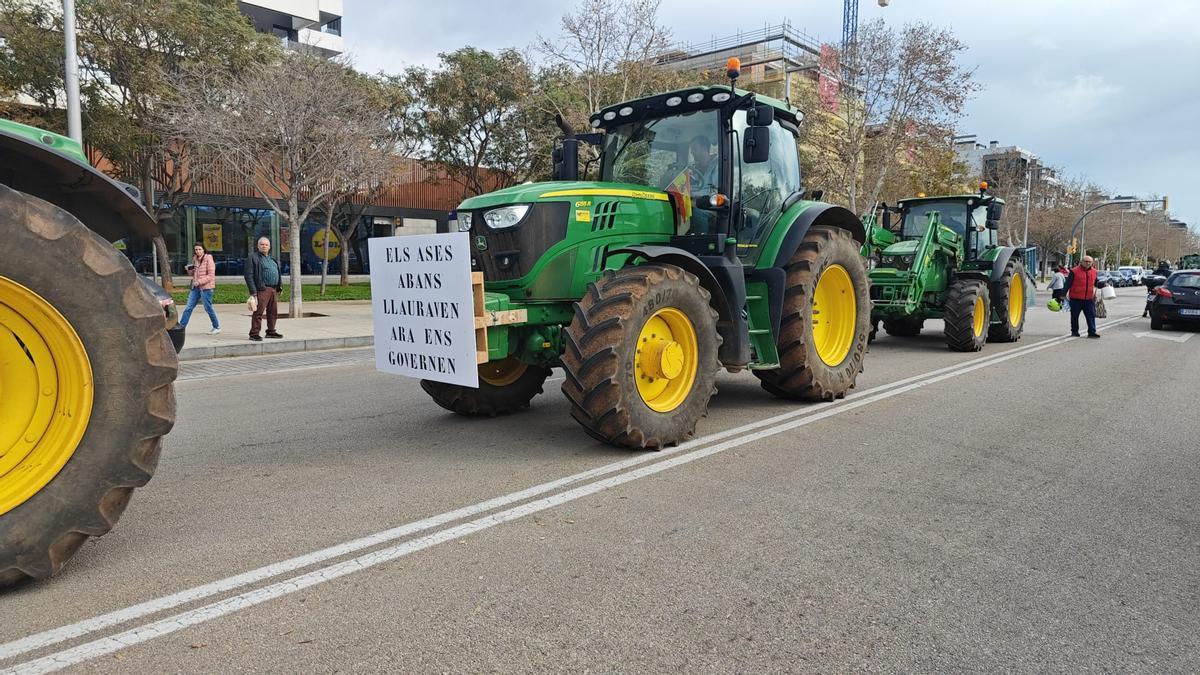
column 234, row 294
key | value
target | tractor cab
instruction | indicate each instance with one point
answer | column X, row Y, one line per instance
column 727, row 159
column 973, row 218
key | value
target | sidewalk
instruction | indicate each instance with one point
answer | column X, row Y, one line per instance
column 344, row 324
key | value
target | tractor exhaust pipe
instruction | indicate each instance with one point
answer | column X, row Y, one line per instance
column 566, row 165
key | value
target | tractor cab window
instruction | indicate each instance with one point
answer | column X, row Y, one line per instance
column 916, row 218
column 761, row 189
column 678, row 154
column 979, row 238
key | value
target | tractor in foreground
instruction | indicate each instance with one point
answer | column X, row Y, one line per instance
column 696, row 250
column 938, row 258
column 86, row 364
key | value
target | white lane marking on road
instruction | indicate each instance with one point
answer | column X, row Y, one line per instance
column 78, row 629
column 1172, row 337
column 94, row 624
column 108, row 645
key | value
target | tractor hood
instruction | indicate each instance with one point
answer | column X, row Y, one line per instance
column 900, row 248
column 560, row 191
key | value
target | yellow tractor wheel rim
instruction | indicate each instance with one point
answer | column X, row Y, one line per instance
column 1016, row 300
column 666, row 359
column 834, row 315
column 45, row 393
column 502, row 373
column 980, row 315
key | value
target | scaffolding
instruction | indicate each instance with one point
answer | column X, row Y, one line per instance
column 770, row 54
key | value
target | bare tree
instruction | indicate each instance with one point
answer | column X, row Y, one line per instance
column 607, row 47
column 295, row 129
column 902, row 84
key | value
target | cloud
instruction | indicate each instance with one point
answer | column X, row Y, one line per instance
column 1103, row 88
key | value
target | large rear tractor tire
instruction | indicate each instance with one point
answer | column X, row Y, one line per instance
column 86, row 386
column 1008, row 301
column 505, row 387
column 967, row 313
column 641, row 356
column 908, row 326
column 826, row 319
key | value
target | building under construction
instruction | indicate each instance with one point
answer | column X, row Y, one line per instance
column 774, row 58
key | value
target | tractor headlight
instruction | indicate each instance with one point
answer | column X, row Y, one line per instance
column 464, row 221
column 505, row 216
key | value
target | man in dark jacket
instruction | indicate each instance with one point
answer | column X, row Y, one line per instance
column 264, row 280
column 1081, row 286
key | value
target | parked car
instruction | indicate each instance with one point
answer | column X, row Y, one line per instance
column 1177, row 300
column 1136, row 272
column 1105, row 277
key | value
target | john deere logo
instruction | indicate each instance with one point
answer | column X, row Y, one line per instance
column 481, row 242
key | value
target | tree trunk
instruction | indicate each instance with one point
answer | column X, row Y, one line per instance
column 158, row 242
column 325, row 240
column 344, row 238
column 296, row 303
column 164, row 263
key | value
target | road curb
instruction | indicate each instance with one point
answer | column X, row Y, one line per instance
column 274, row 347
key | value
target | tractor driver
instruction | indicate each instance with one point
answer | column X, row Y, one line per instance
column 705, row 174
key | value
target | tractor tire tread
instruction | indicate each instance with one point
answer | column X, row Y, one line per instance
column 802, row 375
column 959, row 315
column 134, row 395
column 607, row 409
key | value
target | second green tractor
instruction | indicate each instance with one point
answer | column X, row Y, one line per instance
column 694, row 251
column 938, row 258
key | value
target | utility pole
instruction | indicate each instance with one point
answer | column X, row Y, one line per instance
column 71, row 79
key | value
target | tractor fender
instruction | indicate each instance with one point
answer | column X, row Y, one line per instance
column 102, row 204
column 1001, row 261
column 726, row 284
column 822, row 214
column 689, row 262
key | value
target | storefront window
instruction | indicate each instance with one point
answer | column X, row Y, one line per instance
column 229, row 234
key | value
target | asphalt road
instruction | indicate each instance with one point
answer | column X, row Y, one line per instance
column 1029, row 507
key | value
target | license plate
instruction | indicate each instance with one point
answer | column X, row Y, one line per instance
column 1189, row 312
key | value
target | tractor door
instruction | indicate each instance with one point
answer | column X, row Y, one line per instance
column 760, row 190
column 979, row 237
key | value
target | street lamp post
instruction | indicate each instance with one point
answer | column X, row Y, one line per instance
column 1101, row 205
column 71, row 79
column 1028, row 198
column 1121, row 238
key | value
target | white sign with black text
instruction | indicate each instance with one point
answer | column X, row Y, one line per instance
column 423, row 309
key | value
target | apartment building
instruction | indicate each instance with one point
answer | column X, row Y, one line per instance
column 316, row 24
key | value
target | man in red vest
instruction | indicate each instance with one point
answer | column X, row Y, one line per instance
column 1081, row 285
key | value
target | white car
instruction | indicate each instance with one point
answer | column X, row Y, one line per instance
column 1138, row 272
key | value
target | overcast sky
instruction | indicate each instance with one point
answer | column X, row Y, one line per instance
column 1109, row 90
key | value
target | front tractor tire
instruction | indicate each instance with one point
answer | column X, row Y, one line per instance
column 86, row 386
column 1008, row 301
column 641, row 356
column 826, row 319
column 967, row 312
column 505, row 387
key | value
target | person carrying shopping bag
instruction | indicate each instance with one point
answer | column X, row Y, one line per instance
column 1081, row 286
column 204, row 281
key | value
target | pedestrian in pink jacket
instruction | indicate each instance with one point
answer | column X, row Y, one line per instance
column 204, row 281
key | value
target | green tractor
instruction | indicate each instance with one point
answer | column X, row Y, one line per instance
column 939, row 259
column 87, row 353
column 694, row 251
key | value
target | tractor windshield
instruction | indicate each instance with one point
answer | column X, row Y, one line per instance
column 953, row 214
column 678, row 154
